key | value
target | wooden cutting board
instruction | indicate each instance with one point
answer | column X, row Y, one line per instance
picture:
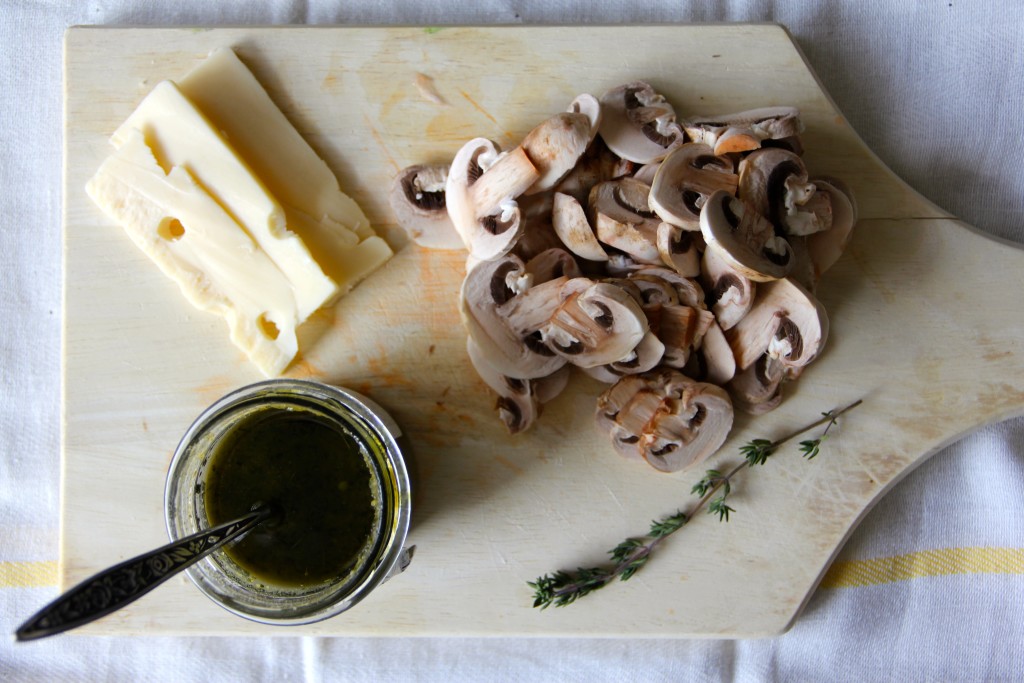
column 926, row 327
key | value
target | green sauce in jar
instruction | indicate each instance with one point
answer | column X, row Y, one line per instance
column 317, row 473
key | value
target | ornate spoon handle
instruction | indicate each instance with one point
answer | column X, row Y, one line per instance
column 123, row 583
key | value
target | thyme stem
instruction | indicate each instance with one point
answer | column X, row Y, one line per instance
column 562, row 588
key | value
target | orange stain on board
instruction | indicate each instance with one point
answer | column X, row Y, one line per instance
column 502, row 460
column 486, row 114
column 380, row 143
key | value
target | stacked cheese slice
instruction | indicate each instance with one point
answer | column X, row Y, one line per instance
column 214, row 184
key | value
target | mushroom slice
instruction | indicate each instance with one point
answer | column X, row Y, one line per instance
column 646, row 356
column 728, row 294
column 621, row 265
column 745, row 131
column 825, row 248
column 596, row 324
column 680, row 249
column 645, row 174
column 665, row 418
column 551, row 264
column 555, row 146
column 744, row 239
column 758, row 389
column 623, row 219
column 597, row 165
column 688, row 292
column 480, row 196
column 418, row 200
column 570, row 223
column 695, row 426
column 681, row 330
column 589, row 106
column 685, row 180
column 786, row 322
column 484, row 305
column 712, row 361
column 774, row 182
column 517, row 405
column 638, row 124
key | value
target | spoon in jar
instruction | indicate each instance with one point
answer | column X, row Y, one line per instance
column 113, row 588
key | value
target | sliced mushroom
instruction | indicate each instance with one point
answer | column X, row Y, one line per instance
column 623, row 219
column 680, row 249
column 646, row 356
column 665, row 418
column 569, row 221
column 597, row 165
column 774, row 182
column 758, row 389
column 786, row 322
column 485, row 307
column 685, row 180
column 595, row 324
column 638, row 124
column 480, row 196
column 551, row 264
column 517, row 405
column 728, row 294
column 744, row 131
column 681, row 330
column 825, row 248
column 645, row 174
column 712, row 361
column 417, row 198
column 555, row 146
column 688, row 292
column 744, row 239
column 589, row 106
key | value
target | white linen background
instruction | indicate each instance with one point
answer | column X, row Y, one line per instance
column 935, row 88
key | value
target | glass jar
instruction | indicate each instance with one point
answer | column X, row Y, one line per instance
column 232, row 586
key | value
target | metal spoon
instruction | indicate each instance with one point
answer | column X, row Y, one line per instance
column 113, row 588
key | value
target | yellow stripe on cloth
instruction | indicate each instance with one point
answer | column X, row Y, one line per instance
column 940, row 562
column 27, row 574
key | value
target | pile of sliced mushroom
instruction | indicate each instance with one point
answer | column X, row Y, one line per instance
column 675, row 260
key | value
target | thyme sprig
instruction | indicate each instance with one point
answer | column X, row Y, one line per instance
column 562, row 588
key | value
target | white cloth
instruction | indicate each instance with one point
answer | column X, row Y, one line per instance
column 935, row 89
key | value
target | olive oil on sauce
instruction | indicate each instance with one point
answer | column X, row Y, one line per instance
column 318, row 476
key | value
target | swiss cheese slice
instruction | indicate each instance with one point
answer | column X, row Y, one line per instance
column 218, row 266
column 180, row 135
column 214, row 184
column 228, row 94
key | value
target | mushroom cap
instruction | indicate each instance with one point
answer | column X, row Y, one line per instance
column 569, row 221
column 638, row 124
column 744, row 239
column 480, row 196
column 485, row 308
column 665, row 418
column 729, row 294
column 685, row 180
column 596, row 323
column 623, row 219
column 555, row 146
column 418, row 201
column 786, row 322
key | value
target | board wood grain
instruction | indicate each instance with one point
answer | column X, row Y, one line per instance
column 926, row 327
